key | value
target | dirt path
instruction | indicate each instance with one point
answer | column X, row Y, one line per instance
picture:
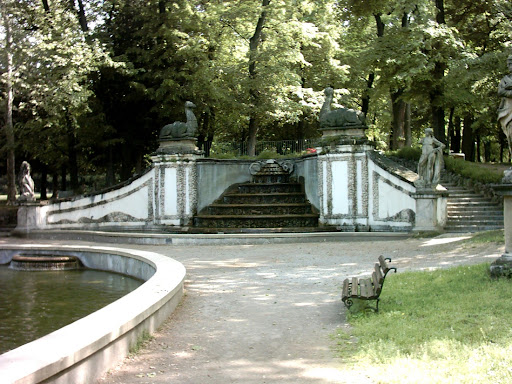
column 267, row 313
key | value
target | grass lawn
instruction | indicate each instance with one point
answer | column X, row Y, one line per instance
column 445, row 326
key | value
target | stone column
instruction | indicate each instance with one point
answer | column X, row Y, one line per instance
column 503, row 265
column 29, row 218
column 176, row 181
column 430, row 209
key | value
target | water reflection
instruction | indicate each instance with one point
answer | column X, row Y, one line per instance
column 33, row 304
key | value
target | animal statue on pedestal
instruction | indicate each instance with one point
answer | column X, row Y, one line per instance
column 179, row 129
column 342, row 117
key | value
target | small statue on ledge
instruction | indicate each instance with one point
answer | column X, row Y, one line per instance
column 431, row 161
column 341, row 117
column 26, row 183
column 179, row 129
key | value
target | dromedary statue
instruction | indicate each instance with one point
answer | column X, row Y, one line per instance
column 179, row 129
column 342, row 117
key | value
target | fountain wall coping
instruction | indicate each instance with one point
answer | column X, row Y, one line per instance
column 87, row 348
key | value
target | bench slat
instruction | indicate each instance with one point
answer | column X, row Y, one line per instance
column 344, row 292
column 355, row 288
column 366, row 288
column 379, row 274
column 383, row 264
column 377, row 284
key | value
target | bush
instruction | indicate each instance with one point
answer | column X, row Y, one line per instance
column 473, row 171
column 409, row 153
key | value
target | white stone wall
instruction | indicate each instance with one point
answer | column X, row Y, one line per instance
column 166, row 194
column 355, row 193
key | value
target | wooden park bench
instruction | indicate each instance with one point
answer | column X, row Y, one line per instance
column 363, row 289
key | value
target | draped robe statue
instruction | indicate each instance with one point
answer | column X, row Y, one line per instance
column 505, row 108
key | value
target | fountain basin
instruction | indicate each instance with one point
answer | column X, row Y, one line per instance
column 44, row 263
column 83, row 351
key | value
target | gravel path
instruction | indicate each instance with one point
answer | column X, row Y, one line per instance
column 256, row 314
column 267, row 313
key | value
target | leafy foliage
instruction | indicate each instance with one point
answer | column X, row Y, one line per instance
column 93, row 91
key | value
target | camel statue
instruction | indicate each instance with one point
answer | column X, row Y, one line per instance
column 179, row 129
column 338, row 118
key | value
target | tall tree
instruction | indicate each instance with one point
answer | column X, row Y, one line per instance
column 8, row 123
column 254, row 44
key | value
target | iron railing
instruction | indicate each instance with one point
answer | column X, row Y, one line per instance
column 281, row 147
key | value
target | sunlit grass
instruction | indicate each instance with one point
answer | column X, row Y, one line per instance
column 496, row 236
column 445, row 326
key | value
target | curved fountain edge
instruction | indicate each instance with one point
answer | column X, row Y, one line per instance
column 84, row 350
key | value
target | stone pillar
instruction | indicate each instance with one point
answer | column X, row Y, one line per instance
column 29, row 216
column 343, row 179
column 503, row 265
column 176, row 181
column 431, row 205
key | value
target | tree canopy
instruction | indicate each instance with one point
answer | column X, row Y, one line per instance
column 86, row 85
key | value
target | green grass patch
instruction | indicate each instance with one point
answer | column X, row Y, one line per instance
column 444, row 326
column 496, row 236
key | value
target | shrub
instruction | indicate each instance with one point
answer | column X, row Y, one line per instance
column 473, row 171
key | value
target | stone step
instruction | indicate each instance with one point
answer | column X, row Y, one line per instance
column 452, row 221
column 460, row 195
column 267, row 198
column 468, row 211
column 256, row 221
column 259, row 209
column 469, row 199
column 260, row 188
column 475, row 211
column 470, row 204
column 471, row 228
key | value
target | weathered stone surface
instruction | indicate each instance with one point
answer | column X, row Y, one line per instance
column 26, row 183
column 505, row 108
column 431, row 161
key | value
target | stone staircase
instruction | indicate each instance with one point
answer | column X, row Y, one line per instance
column 471, row 212
column 271, row 200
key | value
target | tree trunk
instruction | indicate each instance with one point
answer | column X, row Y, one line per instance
column 468, row 140
column 110, row 167
column 365, row 106
column 44, row 181
column 9, row 127
column 63, row 179
column 487, row 151
column 503, row 144
column 55, row 185
column 72, row 154
column 456, row 136
column 46, row 6
column 408, row 129
column 254, row 44
column 81, row 16
column 478, row 147
column 399, row 108
column 436, row 94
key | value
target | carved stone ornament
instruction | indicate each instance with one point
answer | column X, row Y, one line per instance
column 271, row 167
column 341, row 117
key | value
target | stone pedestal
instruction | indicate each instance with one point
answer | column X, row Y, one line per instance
column 27, row 217
column 430, row 209
column 503, row 265
column 356, row 131
column 181, row 146
column 175, row 188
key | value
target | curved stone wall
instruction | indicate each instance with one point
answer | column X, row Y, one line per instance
column 82, row 351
